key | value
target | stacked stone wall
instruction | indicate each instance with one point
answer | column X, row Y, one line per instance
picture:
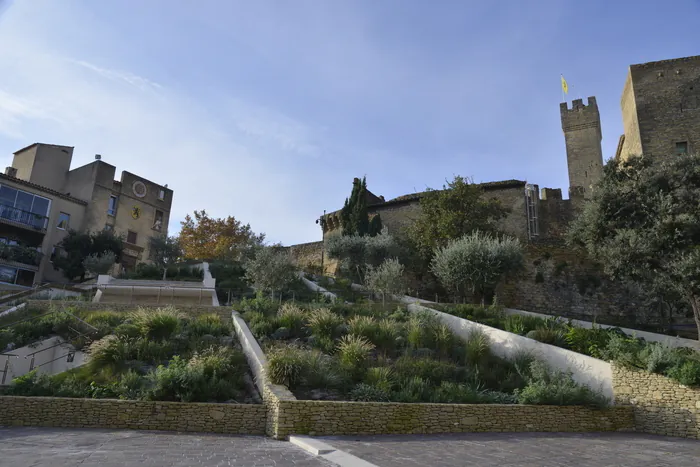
column 241, row 419
column 661, row 406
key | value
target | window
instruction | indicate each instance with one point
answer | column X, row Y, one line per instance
column 682, row 147
column 24, row 207
column 161, row 194
column 158, row 221
column 131, row 237
column 112, row 208
column 63, row 221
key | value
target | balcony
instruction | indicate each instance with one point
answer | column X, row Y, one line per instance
column 11, row 254
column 16, row 216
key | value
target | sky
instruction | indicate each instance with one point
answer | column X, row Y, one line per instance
column 267, row 109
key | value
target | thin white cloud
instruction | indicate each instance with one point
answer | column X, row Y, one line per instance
column 229, row 164
column 130, row 78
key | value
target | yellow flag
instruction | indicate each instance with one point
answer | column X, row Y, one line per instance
column 564, row 85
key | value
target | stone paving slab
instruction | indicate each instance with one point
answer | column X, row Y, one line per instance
column 522, row 449
column 59, row 447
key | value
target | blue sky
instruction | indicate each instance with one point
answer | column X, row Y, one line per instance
column 266, row 110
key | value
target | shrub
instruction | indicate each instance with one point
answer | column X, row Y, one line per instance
column 353, row 352
column 477, row 347
column 687, row 373
column 435, row 371
column 259, row 304
column 292, row 318
column 214, row 375
column 521, row 325
column 210, row 324
column 110, row 353
column 286, row 366
column 624, row 350
column 476, row 263
column 548, row 335
column 415, row 389
column 160, row 323
column 367, row 393
column 324, row 323
column 547, row 387
column 382, row 378
column 587, row 341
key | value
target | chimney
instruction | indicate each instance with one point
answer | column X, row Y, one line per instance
column 11, row 172
column 98, row 157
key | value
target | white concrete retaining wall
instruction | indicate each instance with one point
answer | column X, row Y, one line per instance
column 50, row 357
column 670, row 341
column 317, row 288
column 254, row 354
column 590, row 371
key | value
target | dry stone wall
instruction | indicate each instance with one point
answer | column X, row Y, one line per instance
column 246, row 419
column 661, row 405
column 320, row 418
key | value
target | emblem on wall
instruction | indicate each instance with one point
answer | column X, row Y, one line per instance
column 139, row 188
column 135, row 212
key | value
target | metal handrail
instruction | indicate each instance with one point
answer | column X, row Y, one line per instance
column 21, row 216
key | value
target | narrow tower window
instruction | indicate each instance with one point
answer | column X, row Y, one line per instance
column 682, row 147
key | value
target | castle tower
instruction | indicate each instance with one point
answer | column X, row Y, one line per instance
column 584, row 154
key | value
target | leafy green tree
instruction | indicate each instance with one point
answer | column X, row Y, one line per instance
column 165, row 251
column 77, row 246
column 387, row 278
column 354, row 217
column 272, row 269
column 97, row 264
column 460, row 208
column 476, row 263
column 356, row 253
column 643, row 224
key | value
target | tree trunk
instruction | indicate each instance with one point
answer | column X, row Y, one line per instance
column 165, row 272
column 695, row 304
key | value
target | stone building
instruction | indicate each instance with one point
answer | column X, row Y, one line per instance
column 41, row 198
column 661, row 116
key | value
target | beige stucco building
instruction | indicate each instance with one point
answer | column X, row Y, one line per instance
column 41, row 199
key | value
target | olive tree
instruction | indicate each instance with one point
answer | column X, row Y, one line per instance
column 386, row 279
column 476, row 263
column 357, row 252
column 97, row 264
column 271, row 269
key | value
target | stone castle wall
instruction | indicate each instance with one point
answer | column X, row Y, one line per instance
column 660, row 105
column 240, row 419
column 308, row 256
column 661, row 405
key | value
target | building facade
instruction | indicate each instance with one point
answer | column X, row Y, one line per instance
column 41, row 199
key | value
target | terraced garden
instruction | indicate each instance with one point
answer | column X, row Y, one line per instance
column 368, row 352
column 147, row 354
column 609, row 344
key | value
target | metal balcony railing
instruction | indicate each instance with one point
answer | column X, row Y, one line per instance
column 20, row 254
column 20, row 216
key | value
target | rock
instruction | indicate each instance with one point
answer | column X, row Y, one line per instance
column 281, row 334
column 227, row 341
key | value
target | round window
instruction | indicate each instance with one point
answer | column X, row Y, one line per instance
column 139, row 189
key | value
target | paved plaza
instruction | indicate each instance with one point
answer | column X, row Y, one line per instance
column 59, row 447
column 522, row 449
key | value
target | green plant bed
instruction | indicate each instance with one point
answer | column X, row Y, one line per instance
column 609, row 344
column 369, row 352
column 146, row 354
